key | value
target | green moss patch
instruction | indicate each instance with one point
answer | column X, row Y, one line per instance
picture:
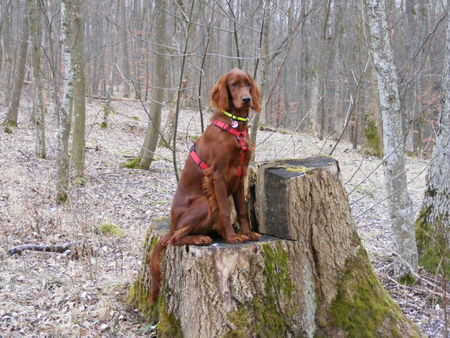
column 133, row 164
column 373, row 139
column 434, row 255
column 9, row 123
column 299, row 169
column 264, row 316
column 109, row 229
column 407, row 280
column 79, row 181
column 168, row 326
column 362, row 307
column 139, row 293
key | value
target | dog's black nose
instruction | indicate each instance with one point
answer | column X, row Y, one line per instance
column 246, row 99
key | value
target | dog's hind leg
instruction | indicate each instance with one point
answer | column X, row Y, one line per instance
column 195, row 220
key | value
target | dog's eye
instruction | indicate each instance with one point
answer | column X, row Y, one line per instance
column 234, row 84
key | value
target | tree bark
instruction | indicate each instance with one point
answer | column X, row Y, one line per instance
column 39, row 106
column 309, row 275
column 400, row 205
column 63, row 158
column 13, row 110
column 157, row 96
column 79, row 92
column 433, row 224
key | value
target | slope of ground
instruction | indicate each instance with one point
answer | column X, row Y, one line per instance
column 61, row 294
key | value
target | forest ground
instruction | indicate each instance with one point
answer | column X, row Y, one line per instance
column 56, row 294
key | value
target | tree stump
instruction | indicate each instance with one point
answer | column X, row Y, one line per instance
column 309, row 275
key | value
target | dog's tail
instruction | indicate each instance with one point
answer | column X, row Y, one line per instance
column 155, row 265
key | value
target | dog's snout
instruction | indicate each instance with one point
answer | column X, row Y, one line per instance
column 246, row 99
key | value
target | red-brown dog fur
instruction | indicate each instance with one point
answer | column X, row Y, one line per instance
column 201, row 201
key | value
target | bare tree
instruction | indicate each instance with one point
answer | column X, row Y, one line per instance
column 264, row 79
column 125, row 54
column 433, row 224
column 13, row 110
column 157, row 96
column 400, row 205
column 39, row 104
column 79, row 91
column 63, row 158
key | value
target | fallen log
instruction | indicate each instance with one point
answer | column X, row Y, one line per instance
column 74, row 249
column 309, row 275
column 60, row 248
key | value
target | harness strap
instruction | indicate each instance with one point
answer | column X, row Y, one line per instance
column 240, row 135
column 197, row 159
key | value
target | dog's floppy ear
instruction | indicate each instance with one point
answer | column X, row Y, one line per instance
column 256, row 96
column 219, row 94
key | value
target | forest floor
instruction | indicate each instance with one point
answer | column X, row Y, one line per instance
column 54, row 294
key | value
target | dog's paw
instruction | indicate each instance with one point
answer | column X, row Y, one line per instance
column 203, row 240
column 236, row 239
column 251, row 236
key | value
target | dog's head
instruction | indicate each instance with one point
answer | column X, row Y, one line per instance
column 236, row 89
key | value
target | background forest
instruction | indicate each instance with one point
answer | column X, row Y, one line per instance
column 90, row 91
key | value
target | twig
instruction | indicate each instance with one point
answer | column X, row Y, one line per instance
column 384, row 199
column 425, row 290
column 235, row 33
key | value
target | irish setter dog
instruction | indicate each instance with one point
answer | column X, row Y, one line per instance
column 214, row 170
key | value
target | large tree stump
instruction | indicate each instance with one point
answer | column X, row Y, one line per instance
column 309, row 275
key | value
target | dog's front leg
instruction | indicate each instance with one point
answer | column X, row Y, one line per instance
column 223, row 225
column 242, row 212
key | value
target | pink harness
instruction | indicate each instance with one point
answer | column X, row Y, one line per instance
column 240, row 136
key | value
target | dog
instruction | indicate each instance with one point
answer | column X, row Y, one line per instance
column 214, row 170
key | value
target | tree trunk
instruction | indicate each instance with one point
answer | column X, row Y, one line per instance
column 62, row 159
column 39, row 106
column 53, row 60
column 7, row 50
column 433, row 224
column 79, row 93
column 13, row 110
column 400, row 205
column 125, row 53
column 157, row 96
column 312, row 279
column 261, row 117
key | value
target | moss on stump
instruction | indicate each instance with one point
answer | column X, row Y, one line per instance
column 362, row 308
column 264, row 316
